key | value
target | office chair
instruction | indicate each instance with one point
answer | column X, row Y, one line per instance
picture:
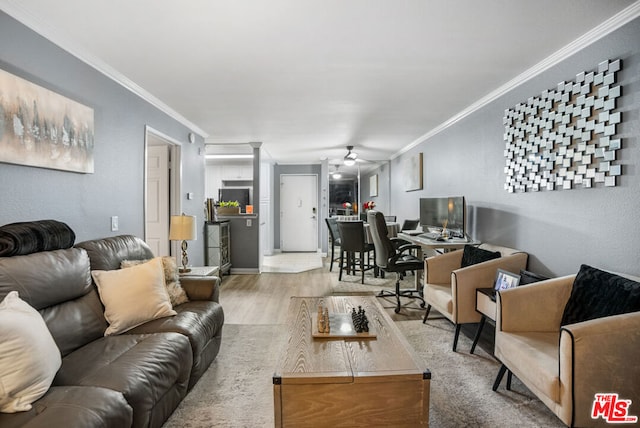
column 391, row 258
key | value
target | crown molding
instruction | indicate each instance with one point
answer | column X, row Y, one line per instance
column 625, row 16
column 14, row 9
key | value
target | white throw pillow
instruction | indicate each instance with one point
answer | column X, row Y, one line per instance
column 133, row 296
column 29, row 357
column 177, row 295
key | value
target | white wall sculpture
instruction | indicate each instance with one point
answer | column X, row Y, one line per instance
column 566, row 137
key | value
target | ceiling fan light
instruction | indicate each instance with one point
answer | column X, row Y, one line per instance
column 349, row 161
column 336, row 175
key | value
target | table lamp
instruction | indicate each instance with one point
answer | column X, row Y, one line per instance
column 183, row 228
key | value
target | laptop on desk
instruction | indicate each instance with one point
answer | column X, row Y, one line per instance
column 504, row 280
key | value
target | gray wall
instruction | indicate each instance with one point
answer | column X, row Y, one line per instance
column 295, row 169
column 383, row 199
column 560, row 229
column 87, row 201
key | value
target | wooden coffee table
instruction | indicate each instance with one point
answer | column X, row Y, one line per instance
column 348, row 382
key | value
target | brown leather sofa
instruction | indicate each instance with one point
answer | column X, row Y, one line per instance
column 133, row 379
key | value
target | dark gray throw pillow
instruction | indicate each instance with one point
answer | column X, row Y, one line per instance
column 598, row 294
column 527, row 277
column 473, row 255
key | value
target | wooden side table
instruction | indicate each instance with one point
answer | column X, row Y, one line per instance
column 486, row 305
column 202, row 271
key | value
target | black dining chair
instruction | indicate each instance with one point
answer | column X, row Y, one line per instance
column 334, row 234
column 392, row 258
column 355, row 252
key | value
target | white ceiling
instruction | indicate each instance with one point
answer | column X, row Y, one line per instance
column 309, row 77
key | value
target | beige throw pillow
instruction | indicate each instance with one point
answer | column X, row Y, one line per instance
column 177, row 295
column 29, row 357
column 133, row 296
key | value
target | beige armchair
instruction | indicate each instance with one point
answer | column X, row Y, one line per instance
column 566, row 366
column 451, row 289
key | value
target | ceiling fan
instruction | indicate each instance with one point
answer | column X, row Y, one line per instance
column 350, row 157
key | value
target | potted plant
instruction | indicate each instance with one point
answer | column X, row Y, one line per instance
column 228, row 208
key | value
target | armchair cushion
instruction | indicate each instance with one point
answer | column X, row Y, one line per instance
column 538, row 352
column 598, row 294
column 472, row 255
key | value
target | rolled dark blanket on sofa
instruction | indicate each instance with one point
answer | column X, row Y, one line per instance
column 17, row 239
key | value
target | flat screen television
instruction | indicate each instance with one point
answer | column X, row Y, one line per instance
column 242, row 195
column 436, row 213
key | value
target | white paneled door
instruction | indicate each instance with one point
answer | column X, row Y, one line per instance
column 157, row 214
column 299, row 212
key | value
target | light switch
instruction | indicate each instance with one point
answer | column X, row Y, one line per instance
column 114, row 223
column 248, row 222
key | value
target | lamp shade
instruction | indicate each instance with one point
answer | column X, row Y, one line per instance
column 183, row 228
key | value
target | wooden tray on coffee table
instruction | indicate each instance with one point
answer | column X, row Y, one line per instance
column 341, row 328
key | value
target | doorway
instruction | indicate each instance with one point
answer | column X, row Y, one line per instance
column 299, row 212
column 162, row 182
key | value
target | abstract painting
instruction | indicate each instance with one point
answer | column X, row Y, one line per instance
column 413, row 173
column 41, row 128
column 373, row 185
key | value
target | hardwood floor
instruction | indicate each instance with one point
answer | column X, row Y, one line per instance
column 264, row 298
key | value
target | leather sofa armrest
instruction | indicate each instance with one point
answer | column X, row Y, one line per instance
column 201, row 287
column 437, row 269
column 536, row 307
column 596, row 356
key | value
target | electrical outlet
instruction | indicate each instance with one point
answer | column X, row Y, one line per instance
column 248, row 222
column 114, row 223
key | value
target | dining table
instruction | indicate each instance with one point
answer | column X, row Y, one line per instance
column 393, row 228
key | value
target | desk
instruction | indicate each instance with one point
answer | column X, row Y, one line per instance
column 431, row 244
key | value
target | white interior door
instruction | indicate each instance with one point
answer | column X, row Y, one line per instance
column 299, row 212
column 157, row 213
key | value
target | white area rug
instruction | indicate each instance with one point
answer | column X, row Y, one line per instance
column 237, row 389
column 291, row 262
